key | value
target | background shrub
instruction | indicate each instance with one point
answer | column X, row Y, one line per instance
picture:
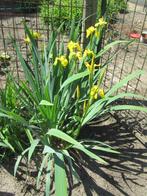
column 116, row 6
column 58, row 11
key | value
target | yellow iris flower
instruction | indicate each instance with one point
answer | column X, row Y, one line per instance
column 27, row 40
column 89, row 66
column 97, row 33
column 101, row 22
column 75, row 50
column 74, row 47
column 62, row 59
column 79, row 55
column 101, row 93
column 75, row 55
column 94, row 92
column 71, row 46
column 90, row 31
column 88, row 52
column 36, row 35
column 78, row 47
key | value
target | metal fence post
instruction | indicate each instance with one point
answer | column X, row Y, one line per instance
column 89, row 17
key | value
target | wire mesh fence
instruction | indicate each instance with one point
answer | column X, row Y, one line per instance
column 131, row 58
column 134, row 57
column 41, row 16
column 130, row 17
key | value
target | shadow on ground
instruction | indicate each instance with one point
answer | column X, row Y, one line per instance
column 126, row 173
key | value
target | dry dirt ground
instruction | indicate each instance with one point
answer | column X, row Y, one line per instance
column 126, row 173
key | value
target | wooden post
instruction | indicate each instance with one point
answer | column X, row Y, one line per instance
column 103, row 7
column 145, row 6
column 103, row 12
column 89, row 17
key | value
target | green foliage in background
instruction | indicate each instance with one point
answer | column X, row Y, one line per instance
column 114, row 7
column 57, row 12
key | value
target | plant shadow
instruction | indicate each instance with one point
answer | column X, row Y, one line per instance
column 6, row 194
column 128, row 165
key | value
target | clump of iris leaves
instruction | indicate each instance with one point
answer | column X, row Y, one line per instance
column 41, row 114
